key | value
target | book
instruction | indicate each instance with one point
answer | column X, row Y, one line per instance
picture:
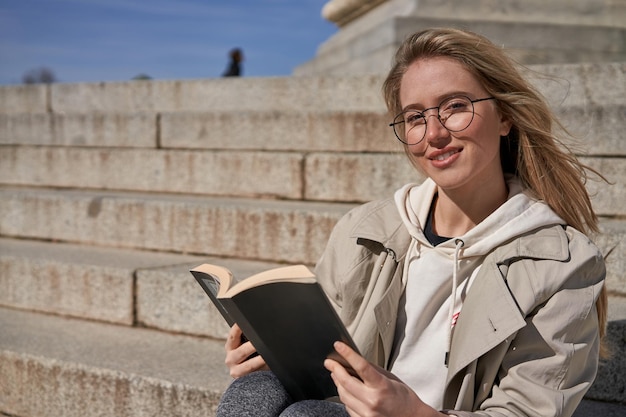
column 288, row 318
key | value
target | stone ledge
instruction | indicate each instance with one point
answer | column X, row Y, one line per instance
column 295, row 130
column 596, row 126
column 314, row 176
column 58, row 366
column 79, row 129
column 74, row 280
column 24, row 98
column 277, row 175
column 233, row 94
column 270, row 230
column 583, row 83
column 156, row 286
column 343, row 12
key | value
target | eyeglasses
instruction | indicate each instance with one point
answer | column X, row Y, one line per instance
column 455, row 114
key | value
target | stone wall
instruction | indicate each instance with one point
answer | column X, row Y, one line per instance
column 534, row 31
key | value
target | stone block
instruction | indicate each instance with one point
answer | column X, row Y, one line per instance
column 79, row 129
column 608, row 198
column 238, row 94
column 595, row 130
column 611, row 242
column 170, row 299
column 72, row 390
column 275, row 231
column 278, row 131
column 581, row 85
column 363, row 177
column 73, row 280
column 97, row 293
column 53, row 366
column 24, row 98
column 356, row 177
column 157, row 170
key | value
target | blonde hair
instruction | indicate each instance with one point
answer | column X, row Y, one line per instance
column 531, row 151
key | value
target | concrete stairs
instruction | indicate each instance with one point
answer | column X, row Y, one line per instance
column 110, row 192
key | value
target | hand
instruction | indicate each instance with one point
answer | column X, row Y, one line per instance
column 378, row 392
column 238, row 355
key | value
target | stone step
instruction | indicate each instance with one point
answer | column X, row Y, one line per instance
column 132, row 287
column 269, row 230
column 256, row 229
column 53, row 366
column 116, row 285
column 59, row 366
column 215, row 94
column 289, row 130
column 597, row 127
column 581, row 84
column 125, row 287
column 312, row 176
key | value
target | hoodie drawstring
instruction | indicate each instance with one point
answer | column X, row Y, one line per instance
column 459, row 244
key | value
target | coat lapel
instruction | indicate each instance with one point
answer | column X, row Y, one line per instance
column 486, row 319
column 490, row 313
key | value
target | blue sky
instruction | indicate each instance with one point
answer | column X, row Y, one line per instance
column 112, row 40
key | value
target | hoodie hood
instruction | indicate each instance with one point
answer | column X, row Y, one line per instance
column 518, row 215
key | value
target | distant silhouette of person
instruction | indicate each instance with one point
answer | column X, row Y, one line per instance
column 234, row 66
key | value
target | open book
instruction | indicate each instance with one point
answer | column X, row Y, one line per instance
column 286, row 315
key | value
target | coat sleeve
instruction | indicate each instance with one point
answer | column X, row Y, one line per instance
column 552, row 361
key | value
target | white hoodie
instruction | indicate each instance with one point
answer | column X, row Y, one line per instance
column 437, row 275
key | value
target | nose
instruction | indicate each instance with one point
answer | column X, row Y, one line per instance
column 435, row 130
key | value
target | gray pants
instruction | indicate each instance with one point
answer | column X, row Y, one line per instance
column 260, row 394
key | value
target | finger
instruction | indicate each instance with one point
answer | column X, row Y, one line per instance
column 351, row 403
column 351, row 412
column 365, row 371
column 251, row 365
column 233, row 340
column 239, row 355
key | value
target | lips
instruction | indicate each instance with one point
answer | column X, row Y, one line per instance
column 443, row 155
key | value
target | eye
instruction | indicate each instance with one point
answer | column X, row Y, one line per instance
column 455, row 105
column 414, row 118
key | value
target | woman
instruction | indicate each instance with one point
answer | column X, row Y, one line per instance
column 475, row 293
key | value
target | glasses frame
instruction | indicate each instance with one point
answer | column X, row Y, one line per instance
column 423, row 112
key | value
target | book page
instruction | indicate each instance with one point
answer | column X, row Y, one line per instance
column 223, row 278
column 293, row 273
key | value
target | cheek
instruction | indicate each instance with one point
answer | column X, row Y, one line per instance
column 416, row 159
column 416, row 150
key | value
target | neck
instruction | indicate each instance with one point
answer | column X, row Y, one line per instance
column 458, row 211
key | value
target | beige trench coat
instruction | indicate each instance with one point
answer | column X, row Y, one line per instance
column 526, row 342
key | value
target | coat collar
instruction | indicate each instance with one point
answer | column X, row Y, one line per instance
column 382, row 224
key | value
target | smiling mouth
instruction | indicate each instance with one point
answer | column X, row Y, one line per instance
column 444, row 156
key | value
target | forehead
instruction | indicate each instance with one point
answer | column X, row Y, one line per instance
column 428, row 80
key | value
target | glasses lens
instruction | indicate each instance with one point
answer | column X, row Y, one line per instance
column 456, row 113
column 410, row 127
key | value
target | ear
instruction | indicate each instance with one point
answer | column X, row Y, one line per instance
column 505, row 126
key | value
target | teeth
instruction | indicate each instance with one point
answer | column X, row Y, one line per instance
column 444, row 156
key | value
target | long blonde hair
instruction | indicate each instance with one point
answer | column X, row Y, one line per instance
column 546, row 167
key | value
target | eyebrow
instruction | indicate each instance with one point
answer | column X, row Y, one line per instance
column 439, row 99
